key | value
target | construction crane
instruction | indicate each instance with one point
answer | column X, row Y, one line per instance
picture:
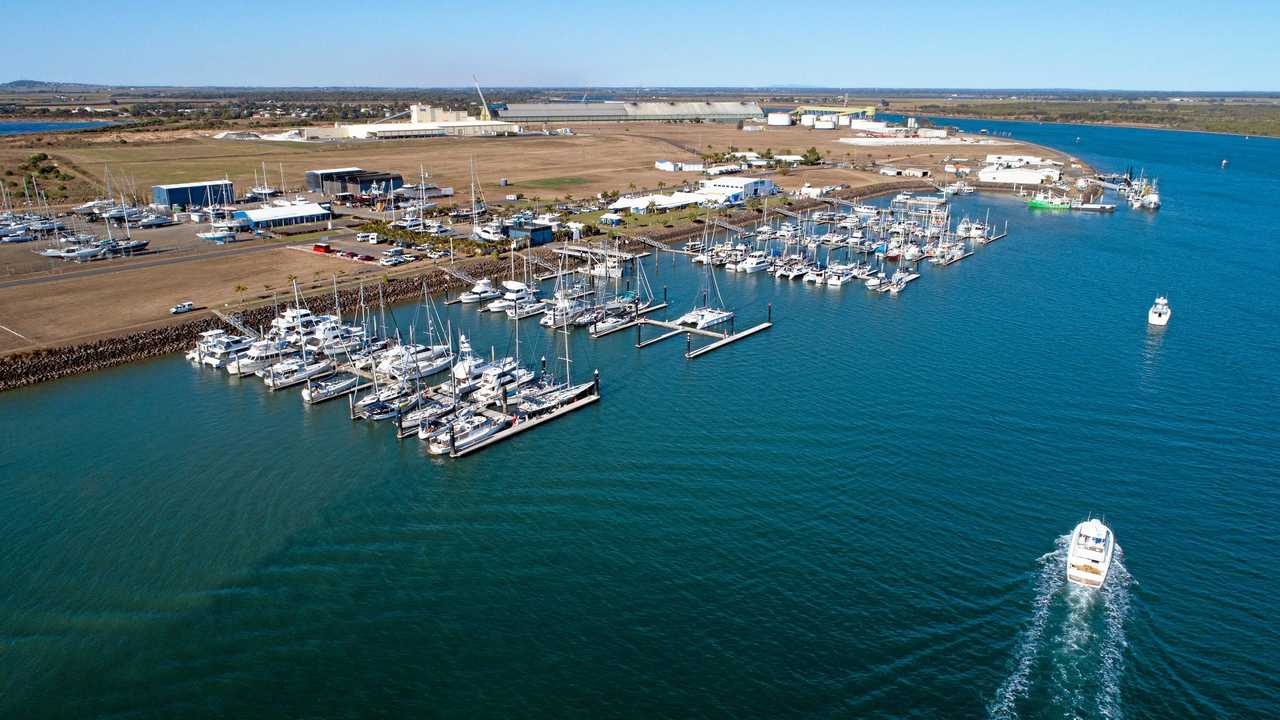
column 484, row 106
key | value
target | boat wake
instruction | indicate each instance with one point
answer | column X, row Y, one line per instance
column 1069, row 658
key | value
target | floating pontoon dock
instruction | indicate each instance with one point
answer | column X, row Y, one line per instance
column 674, row 329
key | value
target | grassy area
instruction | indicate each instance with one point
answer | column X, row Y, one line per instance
column 551, row 183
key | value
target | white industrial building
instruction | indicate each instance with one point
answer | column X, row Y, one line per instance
column 1019, row 160
column 424, row 121
column 745, row 186
column 1026, row 175
column 674, row 166
column 716, row 192
column 779, row 119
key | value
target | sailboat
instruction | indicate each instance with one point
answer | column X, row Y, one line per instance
column 706, row 315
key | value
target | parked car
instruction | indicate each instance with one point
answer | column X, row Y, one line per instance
column 365, row 258
column 182, row 307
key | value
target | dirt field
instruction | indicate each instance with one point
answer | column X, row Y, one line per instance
column 598, row 158
column 44, row 302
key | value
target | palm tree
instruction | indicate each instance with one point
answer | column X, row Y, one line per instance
column 240, row 289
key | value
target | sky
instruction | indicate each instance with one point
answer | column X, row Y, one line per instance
column 1133, row 45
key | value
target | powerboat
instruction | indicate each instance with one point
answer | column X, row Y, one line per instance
column 261, row 354
column 1159, row 313
column 482, row 290
column 465, row 433
column 1089, row 554
column 754, row 262
column 513, row 292
column 220, row 350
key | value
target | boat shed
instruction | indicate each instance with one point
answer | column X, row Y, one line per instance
column 353, row 180
column 193, row 194
column 281, row 215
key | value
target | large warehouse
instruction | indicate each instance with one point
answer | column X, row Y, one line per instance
column 722, row 111
column 195, row 194
column 424, row 121
column 352, row 180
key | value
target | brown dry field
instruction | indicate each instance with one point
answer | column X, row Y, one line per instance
column 598, row 158
column 66, row 310
column 131, row 294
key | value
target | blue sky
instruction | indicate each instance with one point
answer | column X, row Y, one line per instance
column 1139, row 44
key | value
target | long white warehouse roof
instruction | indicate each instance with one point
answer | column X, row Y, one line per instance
column 280, row 212
column 206, row 183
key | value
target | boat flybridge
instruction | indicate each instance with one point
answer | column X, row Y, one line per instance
column 1160, row 312
column 1089, row 554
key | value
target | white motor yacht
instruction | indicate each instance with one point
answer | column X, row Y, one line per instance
column 261, row 354
column 220, row 351
column 482, row 290
column 513, row 292
column 1089, row 554
column 754, row 262
column 1159, row 313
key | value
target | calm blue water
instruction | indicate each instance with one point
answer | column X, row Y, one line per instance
column 23, row 127
column 854, row 514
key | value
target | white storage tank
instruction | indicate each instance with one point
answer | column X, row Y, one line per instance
column 824, row 125
column 806, row 120
column 779, row 119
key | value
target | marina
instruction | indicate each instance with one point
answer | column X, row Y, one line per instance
column 322, row 501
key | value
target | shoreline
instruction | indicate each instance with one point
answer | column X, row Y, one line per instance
column 1132, row 126
column 31, row 367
